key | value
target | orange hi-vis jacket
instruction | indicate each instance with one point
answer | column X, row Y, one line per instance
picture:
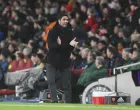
column 47, row 29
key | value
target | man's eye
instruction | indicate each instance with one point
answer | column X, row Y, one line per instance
column 65, row 19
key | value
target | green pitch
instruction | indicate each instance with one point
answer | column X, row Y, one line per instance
column 27, row 106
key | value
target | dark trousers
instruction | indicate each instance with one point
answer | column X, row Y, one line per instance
column 59, row 79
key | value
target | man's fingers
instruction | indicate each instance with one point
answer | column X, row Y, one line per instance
column 74, row 39
column 58, row 38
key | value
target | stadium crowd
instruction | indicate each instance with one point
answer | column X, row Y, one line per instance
column 107, row 32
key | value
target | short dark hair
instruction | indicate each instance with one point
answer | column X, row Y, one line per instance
column 20, row 55
column 13, row 57
column 112, row 50
column 92, row 54
column 40, row 56
column 60, row 15
column 5, row 52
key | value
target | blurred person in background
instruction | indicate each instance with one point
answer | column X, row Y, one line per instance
column 20, row 60
column 39, row 60
column 126, row 57
column 114, row 59
column 12, row 63
column 135, row 59
column 27, row 52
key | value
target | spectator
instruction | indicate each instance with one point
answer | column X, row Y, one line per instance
column 84, row 54
column 76, row 60
column 89, row 75
column 21, row 47
column 93, row 31
column 3, row 61
column 115, row 38
column 105, row 38
column 94, row 42
column 33, row 58
column 101, row 45
column 135, row 37
column 39, row 59
column 114, row 59
column 82, row 81
column 20, row 59
column 27, row 60
column 32, row 46
column 76, row 69
column 136, row 45
column 12, row 48
column 12, row 63
column 85, row 79
column 123, row 35
column 3, row 45
column 135, row 58
column 125, row 56
column 119, row 21
column 78, row 32
column 91, row 18
column 135, row 55
column 120, row 47
column 135, row 10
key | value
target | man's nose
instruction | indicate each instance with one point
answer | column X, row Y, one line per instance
column 66, row 21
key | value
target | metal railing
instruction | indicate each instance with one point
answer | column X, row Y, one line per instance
column 126, row 66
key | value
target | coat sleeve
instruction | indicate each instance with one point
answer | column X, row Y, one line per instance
column 52, row 42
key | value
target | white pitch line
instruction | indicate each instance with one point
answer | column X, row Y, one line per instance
column 69, row 106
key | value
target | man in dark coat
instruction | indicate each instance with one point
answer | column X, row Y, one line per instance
column 58, row 62
column 114, row 59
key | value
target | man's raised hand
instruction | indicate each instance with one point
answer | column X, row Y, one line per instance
column 73, row 42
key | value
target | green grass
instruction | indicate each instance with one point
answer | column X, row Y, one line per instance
column 31, row 106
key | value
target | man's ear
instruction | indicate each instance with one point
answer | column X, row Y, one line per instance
column 59, row 21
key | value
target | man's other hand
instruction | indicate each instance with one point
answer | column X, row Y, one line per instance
column 59, row 40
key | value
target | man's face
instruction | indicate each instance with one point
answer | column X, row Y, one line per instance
column 93, row 43
column 33, row 58
column 96, row 63
column 64, row 21
column 11, row 49
column 73, row 24
column 89, row 58
column 84, row 54
column 124, row 54
column 1, row 57
column 134, row 55
column 100, row 46
column 120, row 46
column 120, row 34
column 36, row 59
column 115, row 30
column 108, row 53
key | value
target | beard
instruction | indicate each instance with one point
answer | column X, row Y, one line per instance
column 64, row 25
